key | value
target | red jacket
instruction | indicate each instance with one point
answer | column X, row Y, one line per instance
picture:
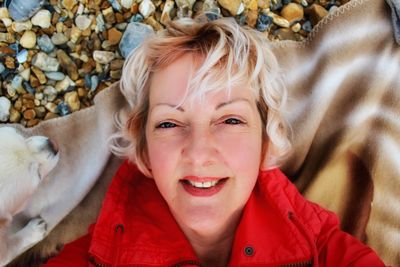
column 278, row 228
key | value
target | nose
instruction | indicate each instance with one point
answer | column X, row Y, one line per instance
column 200, row 149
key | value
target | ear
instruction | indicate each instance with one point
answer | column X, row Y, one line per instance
column 268, row 156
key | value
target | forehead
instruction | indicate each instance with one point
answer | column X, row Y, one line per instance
column 170, row 84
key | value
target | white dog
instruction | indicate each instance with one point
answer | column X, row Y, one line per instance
column 23, row 164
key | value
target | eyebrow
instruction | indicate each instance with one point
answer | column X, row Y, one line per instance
column 216, row 108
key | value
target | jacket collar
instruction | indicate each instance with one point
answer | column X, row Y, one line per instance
column 135, row 226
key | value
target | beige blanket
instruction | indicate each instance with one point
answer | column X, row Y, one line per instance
column 344, row 87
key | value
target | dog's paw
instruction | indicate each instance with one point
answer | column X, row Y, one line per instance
column 37, row 228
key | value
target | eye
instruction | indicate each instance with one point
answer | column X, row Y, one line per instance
column 233, row 121
column 166, row 124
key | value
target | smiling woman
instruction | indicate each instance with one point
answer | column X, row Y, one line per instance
column 202, row 187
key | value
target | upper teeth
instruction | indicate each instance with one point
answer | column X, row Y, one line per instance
column 203, row 184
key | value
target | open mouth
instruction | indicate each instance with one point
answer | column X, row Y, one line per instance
column 203, row 188
column 204, row 185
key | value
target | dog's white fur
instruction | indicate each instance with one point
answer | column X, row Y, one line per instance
column 24, row 162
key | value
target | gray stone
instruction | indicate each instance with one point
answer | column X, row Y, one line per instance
column 59, row 39
column 55, row 75
column 45, row 43
column 24, row 9
column 133, row 36
column 2, row 68
column 45, row 62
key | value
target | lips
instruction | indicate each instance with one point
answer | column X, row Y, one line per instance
column 203, row 186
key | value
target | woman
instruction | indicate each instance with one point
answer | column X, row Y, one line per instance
column 206, row 134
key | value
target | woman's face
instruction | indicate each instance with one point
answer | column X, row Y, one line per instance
column 204, row 157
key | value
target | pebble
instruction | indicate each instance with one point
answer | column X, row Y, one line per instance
column 27, row 86
column 146, row 8
column 264, row 22
column 67, row 64
column 25, row 74
column 233, row 6
column 72, row 99
column 50, row 93
column 63, row 109
column 133, row 36
column 45, row 43
column 29, row 114
column 20, row 10
column 45, row 62
column 7, row 37
column 116, row 6
column 316, row 13
column 63, row 85
column 103, row 57
column 17, row 82
column 42, row 19
column 7, row 22
column 55, row 60
column 39, row 75
column 15, row 116
column 2, row 68
column 4, row 13
column 51, row 107
column 127, row 4
column 166, row 13
column 83, row 22
column 22, row 56
column 20, row 26
column 59, row 39
column 69, row 4
column 28, row 39
column 114, row 36
column 55, row 75
column 94, row 82
column 5, row 106
column 293, row 13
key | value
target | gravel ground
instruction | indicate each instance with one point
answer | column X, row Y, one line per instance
column 56, row 55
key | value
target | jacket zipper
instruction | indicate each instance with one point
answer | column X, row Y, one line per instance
column 298, row 264
column 188, row 262
column 314, row 260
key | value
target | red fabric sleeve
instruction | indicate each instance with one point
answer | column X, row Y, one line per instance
column 74, row 254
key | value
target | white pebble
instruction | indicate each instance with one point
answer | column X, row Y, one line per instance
column 25, row 74
column 42, row 19
column 5, row 106
column 146, row 8
column 83, row 22
column 7, row 22
column 127, row 3
column 103, row 57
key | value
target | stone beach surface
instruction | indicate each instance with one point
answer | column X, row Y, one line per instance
column 56, row 55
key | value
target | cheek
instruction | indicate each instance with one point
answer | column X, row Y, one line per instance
column 242, row 149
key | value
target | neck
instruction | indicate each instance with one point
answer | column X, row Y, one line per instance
column 214, row 247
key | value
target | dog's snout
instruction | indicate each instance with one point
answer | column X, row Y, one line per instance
column 52, row 145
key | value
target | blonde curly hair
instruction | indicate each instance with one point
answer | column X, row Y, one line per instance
column 232, row 54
